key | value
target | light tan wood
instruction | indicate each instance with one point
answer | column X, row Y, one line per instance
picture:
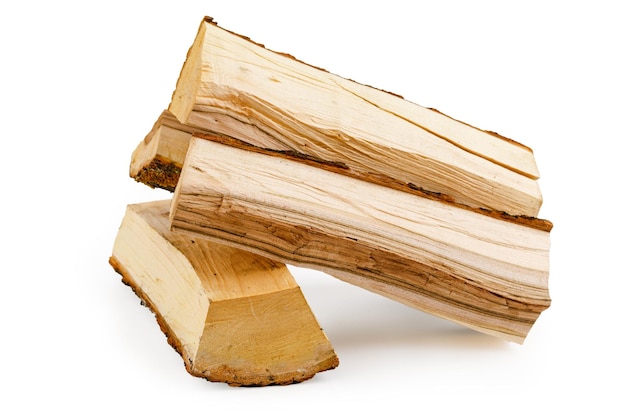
column 484, row 272
column 233, row 316
column 232, row 86
column 159, row 157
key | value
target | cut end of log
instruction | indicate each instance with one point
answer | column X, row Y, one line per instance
column 266, row 326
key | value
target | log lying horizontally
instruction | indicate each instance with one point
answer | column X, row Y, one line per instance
column 235, row 87
column 233, row 316
column 485, row 272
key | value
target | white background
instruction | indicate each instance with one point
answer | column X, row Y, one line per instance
column 83, row 82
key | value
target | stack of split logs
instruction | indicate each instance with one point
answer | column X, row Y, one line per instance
column 272, row 161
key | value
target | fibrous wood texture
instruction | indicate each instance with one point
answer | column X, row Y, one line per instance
column 159, row 157
column 235, row 87
column 485, row 272
column 233, row 316
column 272, row 160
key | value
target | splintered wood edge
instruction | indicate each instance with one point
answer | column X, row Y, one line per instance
column 211, row 20
column 490, row 132
column 341, row 168
column 224, row 373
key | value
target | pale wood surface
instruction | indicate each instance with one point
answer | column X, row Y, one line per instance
column 232, row 86
column 234, row 317
column 483, row 272
column 158, row 158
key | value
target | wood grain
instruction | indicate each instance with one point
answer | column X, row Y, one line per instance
column 232, row 86
column 233, row 316
column 483, row 272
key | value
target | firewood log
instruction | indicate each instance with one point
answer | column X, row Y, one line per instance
column 233, row 316
column 485, row 270
column 232, row 86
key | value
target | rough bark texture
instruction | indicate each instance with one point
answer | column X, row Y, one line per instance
column 160, row 173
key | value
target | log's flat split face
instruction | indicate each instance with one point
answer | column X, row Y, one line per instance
column 232, row 86
column 483, row 272
column 233, row 316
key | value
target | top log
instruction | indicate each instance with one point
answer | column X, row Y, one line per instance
column 232, row 86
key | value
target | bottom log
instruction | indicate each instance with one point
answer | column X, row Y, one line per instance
column 234, row 317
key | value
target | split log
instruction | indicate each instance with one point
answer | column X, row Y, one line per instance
column 232, row 86
column 233, row 316
column 482, row 269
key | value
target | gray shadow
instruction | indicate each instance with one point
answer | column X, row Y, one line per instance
column 353, row 317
